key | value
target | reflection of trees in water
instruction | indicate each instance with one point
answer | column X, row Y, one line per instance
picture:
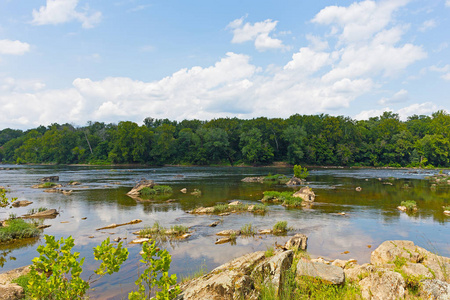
column 6, row 249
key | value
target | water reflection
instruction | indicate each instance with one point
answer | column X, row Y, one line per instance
column 371, row 216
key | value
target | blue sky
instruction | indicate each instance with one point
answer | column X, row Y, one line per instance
column 71, row 61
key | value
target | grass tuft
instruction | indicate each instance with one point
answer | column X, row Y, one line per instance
column 17, row 229
column 280, row 227
column 248, row 230
column 156, row 190
column 285, row 197
column 409, row 204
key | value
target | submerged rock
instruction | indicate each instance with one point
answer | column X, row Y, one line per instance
column 253, row 179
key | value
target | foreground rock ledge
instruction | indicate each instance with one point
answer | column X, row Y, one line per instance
column 381, row 279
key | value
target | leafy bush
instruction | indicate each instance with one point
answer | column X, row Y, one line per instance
column 17, row 229
column 64, row 270
column 4, row 201
column 300, row 172
column 409, row 204
column 156, row 274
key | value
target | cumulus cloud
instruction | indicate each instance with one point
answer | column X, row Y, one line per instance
column 318, row 78
column 63, row 11
column 257, row 32
column 400, row 96
column 447, row 3
column 13, row 47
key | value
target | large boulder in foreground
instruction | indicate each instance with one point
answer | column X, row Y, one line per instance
column 416, row 260
column 12, row 291
column 297, row 242
column 434, row 289
column 135, row 191
column 383, row 286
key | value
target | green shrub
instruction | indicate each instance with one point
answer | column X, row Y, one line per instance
column 248, row 230
column 277, row 178
column 23, row 282
column 269, row 252
column 300, row 172
column 156, row 190
column 285, row 197
column 280, row 226
column 409, row 204
column 48, row 184
column 17, row 229
column 446, row 207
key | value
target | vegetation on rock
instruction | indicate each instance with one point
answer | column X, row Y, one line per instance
column 17, row 229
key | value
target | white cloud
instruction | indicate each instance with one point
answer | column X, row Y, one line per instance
column 13, row 47
column 317, row 79
column 429, row 24
column 446, row 76
column 258, row 32
column 445, row 69
column 359, row 21
column 9, row 84
column 63, row 11
column 400, row 96
column 415, row 109
column 447, row 3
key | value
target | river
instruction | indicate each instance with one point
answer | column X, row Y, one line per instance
column 370, row 216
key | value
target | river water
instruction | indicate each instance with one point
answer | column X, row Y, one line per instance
column 371, row 215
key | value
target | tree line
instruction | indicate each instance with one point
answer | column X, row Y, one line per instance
column 300, row 139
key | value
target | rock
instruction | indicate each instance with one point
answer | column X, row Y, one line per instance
column 11, row 291
column 253, row 179
column 224, row 214
column 74, row 183
column 43, row 226
column 265, row 231
column 251, row 207
column 358, row 273
column 228, row 232
column 328, row 273
column 196, row 192
column 294, row 181
column 385, row 286
column 447, row 212
column 135, row 191
column 21, row 203
column 223, row 240
column 389, row 251
column 297, row 242
column 184, row 236
column 49, row 213
column 136, row 221
column 9, row 276
column 434, row 289
column 235, row 203
column 214, row 224
column 344, row 264
column 417, row 270
column 117, row 239
column 321, row 260
column 225, row 282
column 139, row 241
column 358, row 189
column 50, row 179
column 274, row 269
column 306, row 194
column 184, row 190
column 203, row 210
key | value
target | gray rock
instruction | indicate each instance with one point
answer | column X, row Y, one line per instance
column 49, row 213
column 50, row 179
column 306, row 194
column 274, row 269
column 358, row 273
column 298, row 241
column 434, row 289
column 11, row 292
column 253, row 179
column 385, row 286
column 294, row 181
column 9, row 276
column 135, row 191
column 329, row 273
column 228, row 232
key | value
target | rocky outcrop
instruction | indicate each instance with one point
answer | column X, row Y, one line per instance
column 297, row 242
column 50, row 179
column 49, row 213
column 294, row 181
column 434, row 289
column 253, row 179
column 12, row 291
column 306, row 194
column 327, row 273
column 383, row 286
column 135, row 191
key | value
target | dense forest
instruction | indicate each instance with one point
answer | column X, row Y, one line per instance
column 300, row 139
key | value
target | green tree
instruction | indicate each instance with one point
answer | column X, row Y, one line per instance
column 294, row 136
column 254, row 149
